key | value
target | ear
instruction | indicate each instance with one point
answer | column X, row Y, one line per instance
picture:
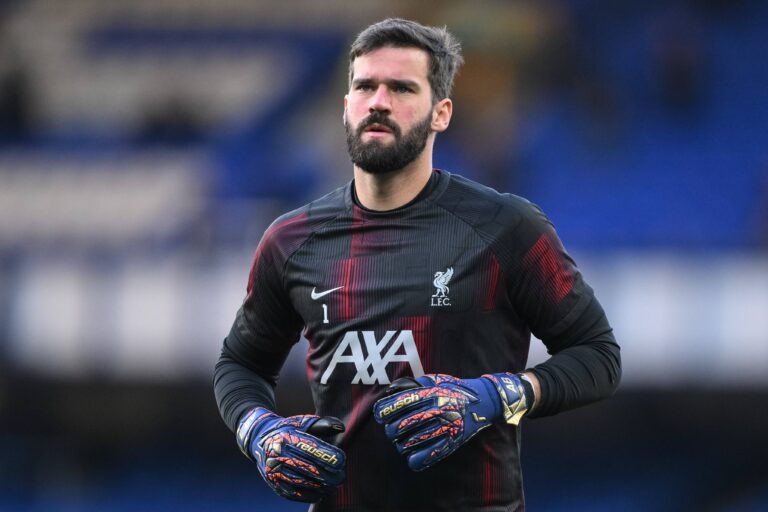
column 441, row 115
column 344, row 113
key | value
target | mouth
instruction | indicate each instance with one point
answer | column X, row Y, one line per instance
column 377, row 128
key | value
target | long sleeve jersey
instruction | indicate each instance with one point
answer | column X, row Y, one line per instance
column 454, row 282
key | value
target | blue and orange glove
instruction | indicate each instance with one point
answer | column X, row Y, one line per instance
column 428, row 418
column 291, row 457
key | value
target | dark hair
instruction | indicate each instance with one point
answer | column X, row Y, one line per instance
column 443, row 48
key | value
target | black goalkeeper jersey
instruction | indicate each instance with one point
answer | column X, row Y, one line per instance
column 454, row 282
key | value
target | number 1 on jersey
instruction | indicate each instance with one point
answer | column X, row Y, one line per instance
column 325, row 313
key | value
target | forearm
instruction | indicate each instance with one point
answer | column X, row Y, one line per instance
column 576, row 376
column 251, row 357
column 239, row 389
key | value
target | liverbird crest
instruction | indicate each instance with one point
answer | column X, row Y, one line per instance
column 441, row 282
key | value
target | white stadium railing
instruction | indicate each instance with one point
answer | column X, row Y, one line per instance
column 681, row 321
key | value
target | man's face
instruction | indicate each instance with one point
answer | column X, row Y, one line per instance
column 388, row 110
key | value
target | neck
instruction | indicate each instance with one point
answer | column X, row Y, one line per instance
column 394, row 189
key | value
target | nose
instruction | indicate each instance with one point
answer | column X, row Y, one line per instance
column 380, row 100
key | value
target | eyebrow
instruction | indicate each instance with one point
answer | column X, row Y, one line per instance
column 392, row 82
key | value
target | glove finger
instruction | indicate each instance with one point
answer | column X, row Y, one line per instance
column 301, row 422
column 429, row 433
column 294, row 472
column 299, row 490
column 319, row 472
column 327, row 426
column 301, row 495
column 287, row 483
column 414, row 421
column 402, row 384
column 423, row 458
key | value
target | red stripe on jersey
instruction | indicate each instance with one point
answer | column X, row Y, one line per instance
column 363, row 398
column 422, row 335
column 267, row 241
column 343, row 496
column 489, row 475
column 358, row 395
column 310, row 369
column 551, row 272
column 356, row 244
column 487, row 482
column 348, row 271
column 420, row 326
column 351, row 269
column 494, row 274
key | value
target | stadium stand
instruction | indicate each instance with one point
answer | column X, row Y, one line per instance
column 145, row 145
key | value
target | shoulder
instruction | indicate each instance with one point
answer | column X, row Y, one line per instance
column 290, row 230
column 489, row 211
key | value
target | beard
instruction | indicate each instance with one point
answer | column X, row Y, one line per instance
column 375, row 157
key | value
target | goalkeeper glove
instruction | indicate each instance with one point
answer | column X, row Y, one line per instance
column 291, row 458
column 430, row 417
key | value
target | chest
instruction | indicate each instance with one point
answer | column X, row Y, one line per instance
column 368, row 278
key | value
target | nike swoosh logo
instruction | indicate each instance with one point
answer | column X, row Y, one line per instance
column 316, row 295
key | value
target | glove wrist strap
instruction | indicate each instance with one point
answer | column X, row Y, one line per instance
column 515, row 401
column 247, row 426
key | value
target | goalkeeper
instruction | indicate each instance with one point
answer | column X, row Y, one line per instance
column 418, row 291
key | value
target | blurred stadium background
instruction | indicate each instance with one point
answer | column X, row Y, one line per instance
column 146, row 144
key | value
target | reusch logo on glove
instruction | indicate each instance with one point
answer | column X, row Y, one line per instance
column 407, row 399
column 371, row 369
column 317, row 452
